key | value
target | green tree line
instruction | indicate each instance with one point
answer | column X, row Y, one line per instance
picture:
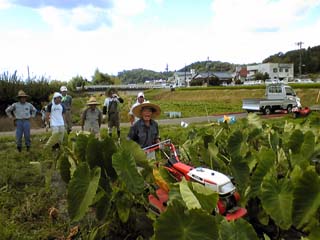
column 310, row 59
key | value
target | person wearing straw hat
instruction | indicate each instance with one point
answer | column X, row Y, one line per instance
column 145, row 131
column 21, row 112
column 91, row 117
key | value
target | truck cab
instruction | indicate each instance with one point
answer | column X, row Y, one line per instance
column 279, row 91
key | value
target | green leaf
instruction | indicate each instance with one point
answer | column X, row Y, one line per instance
column 94, row 154
column 276, row 198
column 108, row 149
column 207, row 197
column 125, row 166
column 240, row 171
column 187, row 195
column 64, row 167
column 306, row 198
column 178, row 223
column 254, row 120
column 237, row 230
column 308, row 145
column 295, row 141
column 80, row 147
column 81, row 190
column 266, row 161
column 123, row 203
column 234, row 143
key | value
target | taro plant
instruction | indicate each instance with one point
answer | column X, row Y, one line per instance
column 273, row 168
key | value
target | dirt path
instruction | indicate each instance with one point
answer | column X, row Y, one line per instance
column 170, row 121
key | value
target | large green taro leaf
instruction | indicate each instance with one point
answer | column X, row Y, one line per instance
column 82, row 190
column 234, row 143
column 207, row 197
column 179, row 223
column 308, row 145
column 188, row 197
column 240, row 171
column 254, row 120
column 276, row 198
column 81, row 147
column 266, row 161
column 295, row 141
column 306, row 198
column 125, row 166
column 237, row 230
column 94, row 154
column 123, row 203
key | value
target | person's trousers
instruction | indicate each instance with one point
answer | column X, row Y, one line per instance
column 57, row 136
column 23, row 129
column 68, row 119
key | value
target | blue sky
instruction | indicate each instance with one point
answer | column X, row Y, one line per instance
column 62, row 39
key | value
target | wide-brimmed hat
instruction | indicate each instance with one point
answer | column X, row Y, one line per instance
column 93, row 101
column 154, row 108
column 21, row 93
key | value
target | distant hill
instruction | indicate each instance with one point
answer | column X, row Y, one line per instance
column 310, row 59
column 310, row 64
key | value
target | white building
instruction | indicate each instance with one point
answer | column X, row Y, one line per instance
column 182, row 79
column 281, row 71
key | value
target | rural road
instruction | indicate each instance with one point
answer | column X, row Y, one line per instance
column 169, row 121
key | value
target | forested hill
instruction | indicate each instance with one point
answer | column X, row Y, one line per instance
column 212, row 66
column 310, row 59
column 141, row 75
column 310, row 64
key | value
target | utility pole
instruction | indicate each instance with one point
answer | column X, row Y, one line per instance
column 300, row 59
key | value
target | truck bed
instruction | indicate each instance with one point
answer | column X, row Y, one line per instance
column 256, row 104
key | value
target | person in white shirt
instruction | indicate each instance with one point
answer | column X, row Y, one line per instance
column 55, row 114
column 140, row 99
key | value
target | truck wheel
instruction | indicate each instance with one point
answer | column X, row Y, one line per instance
column 267, row 111
column 289, row 108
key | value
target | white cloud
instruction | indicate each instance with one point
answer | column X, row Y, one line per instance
column 4, row 4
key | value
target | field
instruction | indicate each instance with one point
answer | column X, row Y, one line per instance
column 272, row 161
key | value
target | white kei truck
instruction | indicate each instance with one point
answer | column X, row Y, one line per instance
column 277, row 97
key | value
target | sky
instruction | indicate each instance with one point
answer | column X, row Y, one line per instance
column 61, row 39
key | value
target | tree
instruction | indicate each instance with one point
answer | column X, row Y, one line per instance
column 100, row 78
column 75, row 82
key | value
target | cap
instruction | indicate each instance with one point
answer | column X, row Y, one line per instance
column 21, row 93
column 93, row 101
column 63, row 89
column 137, row 110
column 140, row 94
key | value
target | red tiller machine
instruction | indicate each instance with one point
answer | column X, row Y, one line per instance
column 228, row 196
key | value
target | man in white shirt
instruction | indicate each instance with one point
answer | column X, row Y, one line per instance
column 140, row 99
column 55, row 114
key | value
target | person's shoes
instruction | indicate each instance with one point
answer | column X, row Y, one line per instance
column 19, row 149
column 28, row 148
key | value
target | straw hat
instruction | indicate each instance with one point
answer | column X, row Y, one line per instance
column 138, row 109
column 21, row 93
column 92, row 101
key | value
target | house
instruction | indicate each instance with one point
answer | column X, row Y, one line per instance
column 281, row 71
column 241, row 74
column 222, row 77
column 182, row 79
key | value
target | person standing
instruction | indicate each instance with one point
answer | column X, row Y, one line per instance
column 55, row 114
column 111, row 108
column 145, row 131
column 21, row 112
column 140, row 99
column 67, row 103
column 91, row 117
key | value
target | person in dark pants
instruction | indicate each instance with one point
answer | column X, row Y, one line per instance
column 111, row 108
column 67, row 103
column 145, row 131
column 21, row 112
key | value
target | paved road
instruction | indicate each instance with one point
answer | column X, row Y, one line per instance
column 170, row 121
